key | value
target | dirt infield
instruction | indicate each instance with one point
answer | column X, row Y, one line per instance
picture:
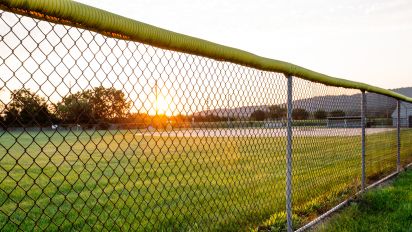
column 264, row 132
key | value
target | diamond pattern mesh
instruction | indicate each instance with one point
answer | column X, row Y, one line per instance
column 406, row 132
column 381, row 148
column 327, row 147
column 106, row 134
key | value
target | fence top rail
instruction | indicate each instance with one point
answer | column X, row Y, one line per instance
column 75, row 14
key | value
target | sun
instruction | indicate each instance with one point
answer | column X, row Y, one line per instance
column 163, row 105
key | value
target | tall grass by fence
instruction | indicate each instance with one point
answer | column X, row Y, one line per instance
column 112, row 124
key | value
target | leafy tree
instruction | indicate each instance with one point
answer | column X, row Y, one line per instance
column 320, row 114
column 108, row 103
column 76, row 108
column 180, row 118
column 91, row 106
column 214, row 118
column 135, row 120
column 337, row 113
column 300, row 114
column 277, row 112
column 258, row 115
column 208, row 118
column 27, row 109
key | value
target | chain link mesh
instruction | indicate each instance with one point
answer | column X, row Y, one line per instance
column 381, row 148
column 406, row 132
column 106, row 134
column 327, row 147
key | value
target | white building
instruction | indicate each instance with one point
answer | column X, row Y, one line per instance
column 406, row 115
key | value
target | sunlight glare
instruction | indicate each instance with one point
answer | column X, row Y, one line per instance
column 163, row 105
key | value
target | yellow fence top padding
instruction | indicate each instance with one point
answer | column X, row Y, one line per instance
column 79, row 15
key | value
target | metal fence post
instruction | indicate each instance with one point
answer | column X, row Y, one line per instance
column 398, row 125
column 363, row 122
column 289, row 157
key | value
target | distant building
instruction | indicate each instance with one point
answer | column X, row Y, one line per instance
column 406, row 115
column 344, row 122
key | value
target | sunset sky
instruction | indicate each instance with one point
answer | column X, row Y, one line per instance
column 367, row 41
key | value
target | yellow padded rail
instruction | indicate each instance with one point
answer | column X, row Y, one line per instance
column 79, row 15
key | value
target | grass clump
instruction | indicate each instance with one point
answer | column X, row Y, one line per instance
column 384, row 209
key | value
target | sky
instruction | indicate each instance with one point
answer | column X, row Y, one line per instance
column 367, row 41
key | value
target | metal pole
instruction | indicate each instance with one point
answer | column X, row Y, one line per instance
column 398, row 125
column 289, row 158
column 363, row 122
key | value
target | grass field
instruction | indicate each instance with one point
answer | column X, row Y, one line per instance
column 383, row 209
column 119, row 180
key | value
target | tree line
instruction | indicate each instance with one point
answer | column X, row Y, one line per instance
column 278, row 112
column 97, row 105
column 104, row 106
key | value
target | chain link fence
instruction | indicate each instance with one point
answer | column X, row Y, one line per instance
column 405, row 121
column 381, row 147
column 107, row 134
column 327, row 147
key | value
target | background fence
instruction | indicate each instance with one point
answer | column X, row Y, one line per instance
column 104, row 133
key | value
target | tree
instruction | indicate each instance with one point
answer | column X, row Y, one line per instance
column 108, row 103
column 76, row 108
column 180, row 118
column 27, row 109
column 258, row 115
column 135, row 120
column 320, row 114
column 277, row 112
column 300, row 114
column 97, row 105
column 337, row 113
column 214, row 118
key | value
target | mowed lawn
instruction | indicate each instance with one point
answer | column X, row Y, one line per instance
column 120, row 180
column 388, row 208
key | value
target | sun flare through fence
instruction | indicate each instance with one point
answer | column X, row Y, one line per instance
column 105, row 133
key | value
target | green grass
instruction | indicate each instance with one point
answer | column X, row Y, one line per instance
column 118, row 180
column 383, row 209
